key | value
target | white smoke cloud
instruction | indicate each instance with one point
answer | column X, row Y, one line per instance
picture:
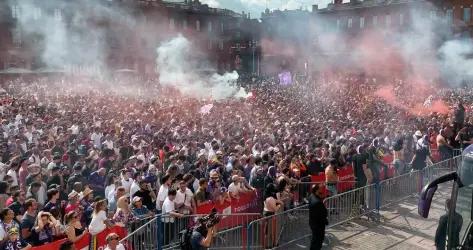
column 457, row 63
column 68, row 34
column 180, row 66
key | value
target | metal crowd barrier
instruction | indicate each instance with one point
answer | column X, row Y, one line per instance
column 279, row 230
column 283, row 229
column 352, row 204
column 145, row 237
column 231, row 230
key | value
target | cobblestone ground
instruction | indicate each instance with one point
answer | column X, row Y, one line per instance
column 400, row 228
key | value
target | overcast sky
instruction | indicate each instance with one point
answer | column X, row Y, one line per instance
column 255, row 7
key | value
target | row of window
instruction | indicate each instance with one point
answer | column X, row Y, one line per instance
column 374, row 21
column 197, row 25
column 388, row 21
column 35, row 12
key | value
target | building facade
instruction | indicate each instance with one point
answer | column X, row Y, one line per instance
column 286, row 40
column 131, row 31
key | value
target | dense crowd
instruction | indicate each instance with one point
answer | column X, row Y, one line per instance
column 78, row 155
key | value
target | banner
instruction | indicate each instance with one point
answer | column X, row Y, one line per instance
column 83, row 244
column 346, row 177
column 248, row 203
column 100, row 241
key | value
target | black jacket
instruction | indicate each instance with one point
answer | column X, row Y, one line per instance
column 317, row 213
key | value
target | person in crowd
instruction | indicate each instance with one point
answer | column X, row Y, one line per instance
column 97, row 182
column 421, row 155
column 441, row 232
column 17, row 205
column 318, row 217
column 271, row 206
column 53, row 197
column 139, row 210
column 14, row 242
column 123, row 215
column 74, row 230
column 465, row 136
column 202, row 240
column 126, row 179
column 184, row 200
column 169, row 215
column 75, row 177
column 99, row 220
column 135, row 186
column 73, row 202
column 110, row 186
column 45, row 229
column 113, row 242
column 445, row 149
column 147, row 195
column 112, row 203
column 331, row 177
column 28, row 221
column 163, row 192
column 398, row 156
column 201, row 195
column 7, row 221
column 3, row 194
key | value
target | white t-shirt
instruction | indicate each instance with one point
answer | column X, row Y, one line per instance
column 162, row 195
column 135, row 187
column 168, row 206
column 97, row 224
column 96, row 138
column 184, row 197
column 127, row 184
column 109, row 190
column 14, row 177
column 119, row 247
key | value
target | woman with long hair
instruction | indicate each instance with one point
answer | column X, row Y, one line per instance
column 123, row 215
column 74, row 230
column 99, row 218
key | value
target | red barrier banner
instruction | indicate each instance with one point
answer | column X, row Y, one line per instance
column 84, row 242
column 100, row 239
column 50, row 246
column 346, row 177
column 248, row 203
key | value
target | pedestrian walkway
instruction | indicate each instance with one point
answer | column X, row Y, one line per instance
column 400, row 228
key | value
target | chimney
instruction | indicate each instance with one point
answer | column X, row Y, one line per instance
column 315, row 7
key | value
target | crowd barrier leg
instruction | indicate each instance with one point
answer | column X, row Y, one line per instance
column 160, row 233
column 420, row 181
column 249, row 236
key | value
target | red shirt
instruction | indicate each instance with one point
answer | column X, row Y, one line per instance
column 9, row 201
column 71, row 207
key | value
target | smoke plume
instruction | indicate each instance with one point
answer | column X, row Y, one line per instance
column 180, row 66
column 69, row 34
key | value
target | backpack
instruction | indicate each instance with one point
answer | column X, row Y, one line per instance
column 185, row 239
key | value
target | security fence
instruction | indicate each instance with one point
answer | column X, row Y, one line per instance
column 278, row 231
